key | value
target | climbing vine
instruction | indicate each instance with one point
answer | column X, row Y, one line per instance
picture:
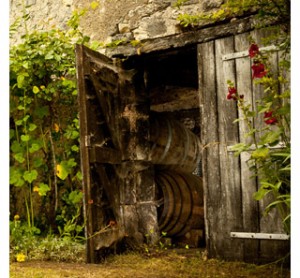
column 268, row 145
column 45, row 174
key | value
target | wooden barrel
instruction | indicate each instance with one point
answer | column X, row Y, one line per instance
column 173, row 146
column 181, row 208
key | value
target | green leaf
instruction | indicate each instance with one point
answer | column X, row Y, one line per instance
column 49, row 55
column 79, row 175
column 32, row 127
column 260, row 153
column 75, row 197
column 19, row 157
column 25, row 118
column 71, row 163
column 16, row 177
column 261, row 193
column 273, row 205
column 62, row 171
column 19, row 122
column 34, row 147
column 16, row 147
column 75, row 148
column 65, row 168
column 30, row 176
column 20, row 80
column 35, row 89
column 270, row 137
column 43, row 189
column 25, row 138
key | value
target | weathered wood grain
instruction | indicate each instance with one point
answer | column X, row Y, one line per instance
column 271, row 223
column 186, row 38
column 229, row 164
column 248, row 181
column 210, row 144
column 172, row 99
column 85, row 166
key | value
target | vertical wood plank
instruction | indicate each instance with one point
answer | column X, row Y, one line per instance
column 270, row 223
column 210, row 143
column 248, row 181
column 231, row 202
column 84, row 154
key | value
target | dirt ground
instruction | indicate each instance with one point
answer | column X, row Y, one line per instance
column 138, row 266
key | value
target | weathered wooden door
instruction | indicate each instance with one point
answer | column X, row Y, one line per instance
column 118, row 178
column 228, row 183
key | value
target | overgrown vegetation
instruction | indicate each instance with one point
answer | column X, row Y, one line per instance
column 170, row 264
column 44, row 134
column 265, row 10
column 269, row 145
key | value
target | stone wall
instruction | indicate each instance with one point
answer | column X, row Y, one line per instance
column 112, row 19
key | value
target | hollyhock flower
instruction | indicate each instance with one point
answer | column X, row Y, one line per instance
column 269, row 119
column 258, row 70
column 253, row 50
column 232, row 93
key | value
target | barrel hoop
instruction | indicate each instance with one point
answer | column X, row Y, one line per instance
column 167, row 147
column 170, row 181
column 169, row 203
column 197, row 204
column 185, row 206
column 182, row 209
column 156, row 135
column 186, row 147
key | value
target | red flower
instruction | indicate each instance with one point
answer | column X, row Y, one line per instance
column 253, row 50
column 269, row 119
column 232, row 93
column 258, row 70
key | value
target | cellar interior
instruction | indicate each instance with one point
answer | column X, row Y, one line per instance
column 141, row 122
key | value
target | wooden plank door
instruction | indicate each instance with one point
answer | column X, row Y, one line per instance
column 228, row 183
column 118, row 178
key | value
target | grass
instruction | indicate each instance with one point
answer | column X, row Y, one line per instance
column 170, row 263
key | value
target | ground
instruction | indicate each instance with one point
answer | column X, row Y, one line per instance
column 169, row 264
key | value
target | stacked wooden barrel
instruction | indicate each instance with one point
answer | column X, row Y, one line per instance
column 176, row 154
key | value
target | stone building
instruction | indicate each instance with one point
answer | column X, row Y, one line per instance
column 112, row 19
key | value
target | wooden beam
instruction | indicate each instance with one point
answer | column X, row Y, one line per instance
column 101, row 154
column 197, row 36
column 174, row 99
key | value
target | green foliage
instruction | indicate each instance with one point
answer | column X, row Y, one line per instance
column 25, row 246
column 21, row 237
column 270, row 146
column 264, row 9
column 116, row 43
column 178, row 4
column 158, row 246
column 44, row 127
